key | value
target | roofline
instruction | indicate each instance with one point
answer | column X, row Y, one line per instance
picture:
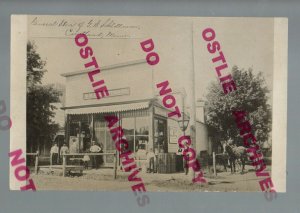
column 104, row 68
column 200, row 122
column 107, row 104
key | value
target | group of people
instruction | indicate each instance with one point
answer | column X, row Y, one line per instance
column 96, row 160
column 54, row 153
column 152, row 162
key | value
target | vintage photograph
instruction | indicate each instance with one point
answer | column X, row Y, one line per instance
column 186, row 93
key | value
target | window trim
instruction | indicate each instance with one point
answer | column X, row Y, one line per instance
column 134, row 132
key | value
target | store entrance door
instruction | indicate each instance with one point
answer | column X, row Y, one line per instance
column 160, row 135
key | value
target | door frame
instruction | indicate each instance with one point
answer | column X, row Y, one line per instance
column 165, row 120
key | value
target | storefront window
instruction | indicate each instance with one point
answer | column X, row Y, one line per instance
column 136, row 131
column 85, row 136
column 130, row 140
column 142, row 126
column 109, row 142
column 85, row 129
column 103, row 138
column 128, row 126
column 141, row 142
column 74, row 128
column 141, row 133
column 100, row 136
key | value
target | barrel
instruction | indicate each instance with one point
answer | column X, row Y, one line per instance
column 166, row 163
column 179, row 163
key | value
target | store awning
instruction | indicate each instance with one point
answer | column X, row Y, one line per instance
column 109, row 108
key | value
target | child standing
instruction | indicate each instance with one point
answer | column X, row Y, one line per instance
column 86, row 160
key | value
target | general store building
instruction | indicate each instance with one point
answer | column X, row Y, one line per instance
column 133, row 98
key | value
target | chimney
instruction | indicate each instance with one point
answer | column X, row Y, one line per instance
column 200, row 110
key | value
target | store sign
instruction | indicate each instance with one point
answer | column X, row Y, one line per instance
column 174, row 134
column 112, row 93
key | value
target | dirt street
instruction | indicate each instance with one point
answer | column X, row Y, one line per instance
column 102, row 180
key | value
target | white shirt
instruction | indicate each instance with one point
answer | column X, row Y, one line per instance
column 95, row 148
column 64, row 150
column 54, row 149
column 150, row 155
column 86, row 158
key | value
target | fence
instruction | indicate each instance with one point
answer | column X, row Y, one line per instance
column 36, row 161
column 220, row 159
column 66, row 167
column 213, row 162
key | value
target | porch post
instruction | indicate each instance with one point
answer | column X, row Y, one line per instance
column 80, row 142
column 151, row 127
column 64, row 165
column 67, row 131
column 36, row 163
column 214, row 164
column 115, row 165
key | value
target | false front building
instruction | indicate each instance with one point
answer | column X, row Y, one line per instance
column 133, row 98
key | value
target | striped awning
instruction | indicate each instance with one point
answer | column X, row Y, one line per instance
column 109, row 108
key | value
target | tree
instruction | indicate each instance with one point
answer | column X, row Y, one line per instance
column 40, row 125
column 35, row 65
column 251, row 96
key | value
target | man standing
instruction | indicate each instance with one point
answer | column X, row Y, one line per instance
column 151, row 160
column 95, row 149
column 54, row 154
column 64, row 150
column 186, row 163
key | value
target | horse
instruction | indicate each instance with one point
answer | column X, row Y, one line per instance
column 236, row 153
column 222, row 159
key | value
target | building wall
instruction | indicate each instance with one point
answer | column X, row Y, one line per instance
column 173, row 135
column 138, row 77
column 201, row 137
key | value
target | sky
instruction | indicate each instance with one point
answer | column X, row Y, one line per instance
column 62, row 54
column 172, row 39
column 184, row 59
column 245, row 42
